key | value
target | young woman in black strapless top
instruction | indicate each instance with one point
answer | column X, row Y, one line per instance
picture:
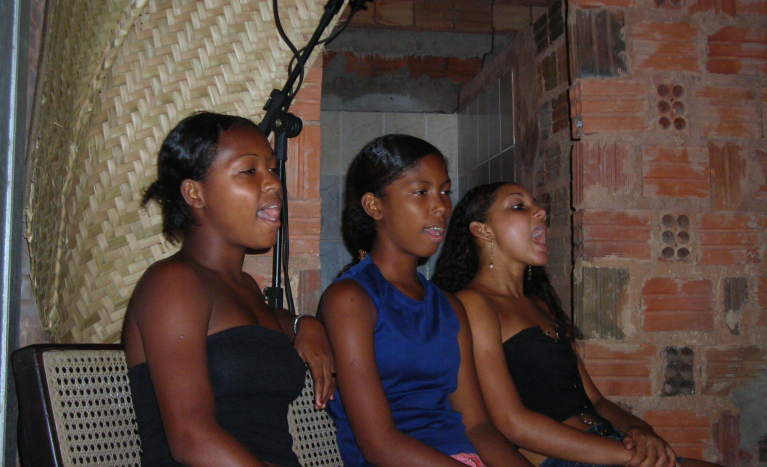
column 536, row 388
column 211, row 365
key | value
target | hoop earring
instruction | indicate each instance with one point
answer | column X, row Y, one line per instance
column 529, row 273
column 361, row 254
column 492, row 244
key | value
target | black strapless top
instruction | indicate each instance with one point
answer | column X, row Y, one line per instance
column 256, row 373
column 545, row 371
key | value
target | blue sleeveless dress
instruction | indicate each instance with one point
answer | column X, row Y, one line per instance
column 417, row 352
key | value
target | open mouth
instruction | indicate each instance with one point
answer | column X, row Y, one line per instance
column 270, row 213
column 435, row 233
column 539, row 236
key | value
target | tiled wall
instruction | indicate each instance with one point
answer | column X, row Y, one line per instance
column 486, row 136
column 343, row 135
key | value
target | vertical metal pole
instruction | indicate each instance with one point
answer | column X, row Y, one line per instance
column 281, row 150
column 14, row 52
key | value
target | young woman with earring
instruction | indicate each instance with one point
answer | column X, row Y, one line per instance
column 211, row 366
column 537, row 390
column 407, row 386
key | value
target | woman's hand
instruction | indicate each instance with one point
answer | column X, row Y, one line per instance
column 650, row 449
column 313, row 345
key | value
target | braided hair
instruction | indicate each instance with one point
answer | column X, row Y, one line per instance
column 187, row 153
column 379, row 163
column 459, row 261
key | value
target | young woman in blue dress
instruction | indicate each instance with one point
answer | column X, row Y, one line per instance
column 211, row 366
column 408, row 388
column 537, row 390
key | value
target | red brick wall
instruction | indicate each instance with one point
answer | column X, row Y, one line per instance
column 669, row 188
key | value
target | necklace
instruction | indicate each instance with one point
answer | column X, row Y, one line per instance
column 547, row 332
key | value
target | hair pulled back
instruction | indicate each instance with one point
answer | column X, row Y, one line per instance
column 187, row 153
column 459, row 261
column 379, row 163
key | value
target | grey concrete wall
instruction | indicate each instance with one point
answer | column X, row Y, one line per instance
column 343, row 135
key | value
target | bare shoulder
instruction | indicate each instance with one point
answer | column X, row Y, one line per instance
column 170, row 285
column 476, row 303
column 457, row 305
column 345, row 293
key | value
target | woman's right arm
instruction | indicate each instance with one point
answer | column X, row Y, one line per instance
column 171, row 309
column 349, row 316
column 525, row 428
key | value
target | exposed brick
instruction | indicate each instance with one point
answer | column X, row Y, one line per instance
column 601, row 233
column 735, row 297
column 727, row 171
column 727, row 111
column 473, row 16
column 560, row 113
column 606, row 3
column 688, row 433
column 606, row 165
column 397, row 13
column 433, row 67
column 728, row 368
column 750, row 8
column 434, row 15
column 677, row 305
column 680, row 172
column 666, row 46
column 562, row 64
column 729, row 239
column 764, row 106
column 463, row 70
column 309, row 291
column 761, row 164
column 599, row 48
column 549, row 70
column 736, row 50
column 366, row 17
column 360, row 64
column 599, row 299
column 726, row 435
column 761, row 299
column 717, row 6
column 382, row 65
column 610, row 105
column 511, row 18
column 307, row 102
column 620, row 370
column 305, row 227
column 556, row 22
column 304, row 173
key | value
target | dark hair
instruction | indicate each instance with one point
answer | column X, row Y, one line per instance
column 459, row 261
column 187, row 153
column 379, row 163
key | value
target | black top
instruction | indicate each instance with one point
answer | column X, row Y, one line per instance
column 256, row 373
column 545, row 371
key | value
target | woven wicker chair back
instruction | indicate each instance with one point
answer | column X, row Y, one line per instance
column 86, row 411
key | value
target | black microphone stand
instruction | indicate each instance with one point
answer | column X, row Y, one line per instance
column 286, row 125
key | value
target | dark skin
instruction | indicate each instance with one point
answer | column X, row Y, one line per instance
column 410, row 220
column 202, row 290
column 498, row 309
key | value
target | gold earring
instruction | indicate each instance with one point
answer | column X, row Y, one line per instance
column 529, row 273
column 492, row 244
column 361, row 254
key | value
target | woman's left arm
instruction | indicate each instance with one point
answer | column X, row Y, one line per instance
column 312, row 344
column 492, row 447
column 651, row 449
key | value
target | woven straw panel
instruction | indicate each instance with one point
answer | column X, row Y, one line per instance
column 313, row 431
column 118, row 76
column 92, row 407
